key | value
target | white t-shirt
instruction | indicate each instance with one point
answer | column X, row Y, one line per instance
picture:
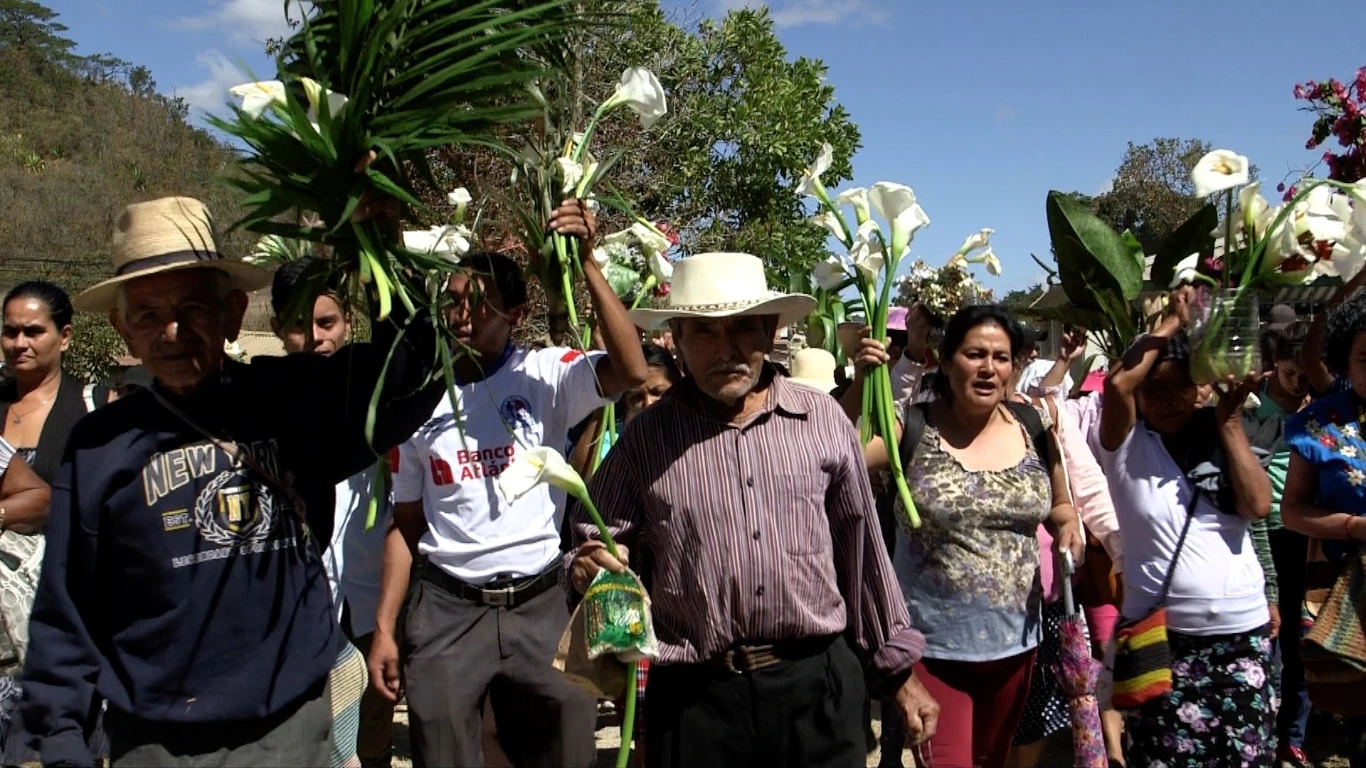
column 1217, row 588
column 474, row 534
column 355, row 557
column 1035, row 373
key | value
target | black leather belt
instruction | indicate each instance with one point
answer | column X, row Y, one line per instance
column 499, row 593
column 746, row 658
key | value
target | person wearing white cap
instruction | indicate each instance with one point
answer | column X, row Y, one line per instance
column 750, row 494
column 182, row 582
column 814, row 367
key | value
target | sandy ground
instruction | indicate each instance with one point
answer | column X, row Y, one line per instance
column 1328, row 735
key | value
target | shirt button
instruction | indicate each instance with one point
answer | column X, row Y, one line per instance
column 760, row 591
column 749, row 481
column 756, row 535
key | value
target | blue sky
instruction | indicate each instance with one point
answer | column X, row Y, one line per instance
column 982, row 107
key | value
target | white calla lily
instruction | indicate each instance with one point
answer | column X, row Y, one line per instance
column 571, row 173
column 661, row 269
column 828, row 221
column 992, row 263
column 259, row 97
column 896, row 203
column 1185, row 271
column 958, row 260
column 640, row 90
column 318, row 96
column 811, row 177
column 866, row 253
column 829, row 274
column 858, row 198
column 1349, row 261
column 601, row 256
column 1219, row 170
column 459, row 196
column 651, row 240
column 537, row 466
column 439, row 241
column 977, row 241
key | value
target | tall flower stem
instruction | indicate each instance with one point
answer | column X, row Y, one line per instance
column 628, row 716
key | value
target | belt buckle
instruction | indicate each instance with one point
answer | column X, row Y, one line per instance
column 728, row 661
column 496, row 598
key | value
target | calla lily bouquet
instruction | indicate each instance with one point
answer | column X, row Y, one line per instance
column 634, row 637
column 942, row 291
column 561, row 168
column 1318, row 231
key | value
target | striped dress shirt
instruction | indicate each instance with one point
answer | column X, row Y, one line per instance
column 754, row 533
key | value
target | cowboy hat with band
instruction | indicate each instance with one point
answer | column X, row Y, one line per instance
column 166, row 235
column 716, row 285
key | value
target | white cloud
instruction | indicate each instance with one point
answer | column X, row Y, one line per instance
column 211, row 93
column 241, row 21
column 796, row 13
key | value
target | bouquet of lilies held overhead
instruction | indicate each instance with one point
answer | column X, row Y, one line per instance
column 949, row 288
column 869, row 266
column 559, row 163
column 1319, row 231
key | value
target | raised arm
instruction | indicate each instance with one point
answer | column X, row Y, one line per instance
column 1247, row 476
column 1120, row 411
column 624, row 366
column 1315, row 342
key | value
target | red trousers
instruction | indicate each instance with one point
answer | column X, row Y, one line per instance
column 980, row 704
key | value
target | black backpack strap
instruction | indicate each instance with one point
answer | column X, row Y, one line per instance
column 1038, row 434
column 913, row 421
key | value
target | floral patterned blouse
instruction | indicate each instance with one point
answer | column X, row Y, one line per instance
column 1328, row 434
column 970, row 573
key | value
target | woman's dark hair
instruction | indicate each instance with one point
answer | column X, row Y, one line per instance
column 1283, row 344
column 1344, row 323
column 55, row 299
column 286, row 281
column 963, row 321
column 507, row 276
column 659, row 357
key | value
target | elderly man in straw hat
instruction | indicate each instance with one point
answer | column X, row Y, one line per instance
column 183, row 582
column 750, row 494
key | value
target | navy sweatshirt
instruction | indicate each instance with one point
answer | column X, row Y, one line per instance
column 186, row 590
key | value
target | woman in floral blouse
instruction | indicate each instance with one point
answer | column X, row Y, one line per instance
column 1325, row 489
column 970, row 574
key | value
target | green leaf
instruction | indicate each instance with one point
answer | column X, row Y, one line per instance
column 1195, row 235
column 1069, row 219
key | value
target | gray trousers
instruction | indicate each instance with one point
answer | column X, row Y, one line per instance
column 301, row 738
column 458, row 653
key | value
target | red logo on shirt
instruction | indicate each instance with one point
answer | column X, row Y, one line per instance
column 571, row 356
column 486, row 462
column 441, row 472
column 393, row 460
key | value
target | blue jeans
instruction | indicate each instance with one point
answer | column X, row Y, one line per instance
column 1289, row 551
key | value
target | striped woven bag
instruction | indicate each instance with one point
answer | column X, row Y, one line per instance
column 1143, row 654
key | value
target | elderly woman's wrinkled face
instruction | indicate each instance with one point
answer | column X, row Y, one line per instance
column 725, row 356
column 176, row 323
column 1168, row 397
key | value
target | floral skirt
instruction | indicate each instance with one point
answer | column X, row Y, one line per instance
column 1219, row 712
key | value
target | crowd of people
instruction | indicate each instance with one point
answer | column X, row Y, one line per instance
column 195, row 568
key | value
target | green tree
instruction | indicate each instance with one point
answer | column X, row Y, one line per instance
column 1152, row 193
column 32, row 27
column 1023, row 298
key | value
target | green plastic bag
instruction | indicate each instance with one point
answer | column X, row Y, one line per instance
column 616, row 614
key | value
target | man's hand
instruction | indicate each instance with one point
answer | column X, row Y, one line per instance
column 1179, row 307
column 1072, row 345
column 1234, row 394
column 573, row 219
column 385, row 673
column 919, row 710
column 384, row 210
column 593, row 557
column 1275, row 620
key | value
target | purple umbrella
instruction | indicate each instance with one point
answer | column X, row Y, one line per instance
column 1078, row 673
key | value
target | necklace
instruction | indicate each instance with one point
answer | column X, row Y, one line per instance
column 18, row 418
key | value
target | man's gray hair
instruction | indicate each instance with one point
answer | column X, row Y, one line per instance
column 219, row 283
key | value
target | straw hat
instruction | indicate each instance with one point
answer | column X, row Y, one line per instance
column 815, row 368
column 723, row 285
column 165, row 235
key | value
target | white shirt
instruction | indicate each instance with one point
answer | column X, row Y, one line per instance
column 1035, row 373
column 355, row 557
column 1217, row 587
column 474, row 534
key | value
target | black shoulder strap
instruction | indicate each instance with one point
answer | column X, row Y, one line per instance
column 1180, row 544
column 1038, row 434
column 913, row 422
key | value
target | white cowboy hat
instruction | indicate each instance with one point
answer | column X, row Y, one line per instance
column 165, row 235
column 723, row 285
column 815, row 368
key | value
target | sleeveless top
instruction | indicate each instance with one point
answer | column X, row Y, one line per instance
column 970, row 573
